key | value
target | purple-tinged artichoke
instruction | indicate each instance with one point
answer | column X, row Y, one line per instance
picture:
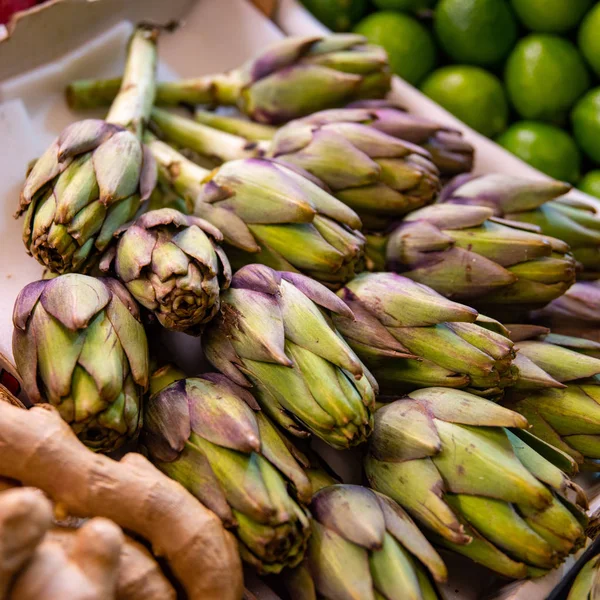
column 292, row 78
column 79, row 344
column 172, row 265
column 484, row 487
column 363, row 545
column 410, row 337
column 274, row 334
column 209, row 434
column 379, row 176
column 94, row 176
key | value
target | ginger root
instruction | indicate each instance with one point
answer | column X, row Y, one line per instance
column 88, row 571
column 25, row 517
column 39, row 449
column 139, row 576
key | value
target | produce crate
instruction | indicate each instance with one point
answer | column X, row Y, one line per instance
column 37, row 60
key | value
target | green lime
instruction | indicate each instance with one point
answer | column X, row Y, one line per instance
column 586, row 124
column 545, row 147
column 478, row 32
column 408, row 43
column 544, row 76
column 589, row 38
column 405, row 5
column 472, row 94
column 550, row 16
column 590, row 183
column 338, row 15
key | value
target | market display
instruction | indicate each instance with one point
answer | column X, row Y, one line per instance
column 332, row 253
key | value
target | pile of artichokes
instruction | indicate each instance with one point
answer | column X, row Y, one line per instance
column 334, row 273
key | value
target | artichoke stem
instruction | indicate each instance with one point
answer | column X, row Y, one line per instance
column 131, row 108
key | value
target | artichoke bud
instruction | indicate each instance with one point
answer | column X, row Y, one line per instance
column 466, row 253
column 565, row 413
column 274, row 333
column 279, row 85
column 173, row 266
column 469, row 471
column 364, row 545
column 209, row 434
column 79, row 344
column 77, row 195
column 410, row 336
column 377, row 175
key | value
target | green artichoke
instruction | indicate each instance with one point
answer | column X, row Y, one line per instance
column 269, row 214
column 586, row 585
column 290, row 79
column 573, row 220
column 363, row 545
column 565, row 414
column 274, row 333
column 78, row 344
column 411, row 337
column 467, row 254
column 94, row 176
column 484, row 487
column 379, row 176
column 172, row 265
column 209, row 435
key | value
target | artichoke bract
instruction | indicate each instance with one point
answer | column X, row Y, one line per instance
column 270, row 214
column 539, row 203
column 565, row 414
column 290, row 79
column 379, row 176
column 172, row 265
column 79, row 344
column 209, row 435
column 467, row 254
column 94, row 176
column 483, row 486
column 409, row 337
column 274, row 333
column 363, row 545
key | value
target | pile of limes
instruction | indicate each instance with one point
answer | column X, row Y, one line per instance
column 525, row 72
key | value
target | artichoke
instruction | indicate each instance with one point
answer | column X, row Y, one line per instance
column 78, row 344
column 171, row 265
column 411, row 337
column 575, row 313
column 364, row 545
column 94, row 176
column 573, row 220
column 269, row 214
column 467, row 254
column 484, row 487
column 380, row 176
column 290, row 79
column 586, row 585
column 274, row 333
column 565, row 413
column 209, row 435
